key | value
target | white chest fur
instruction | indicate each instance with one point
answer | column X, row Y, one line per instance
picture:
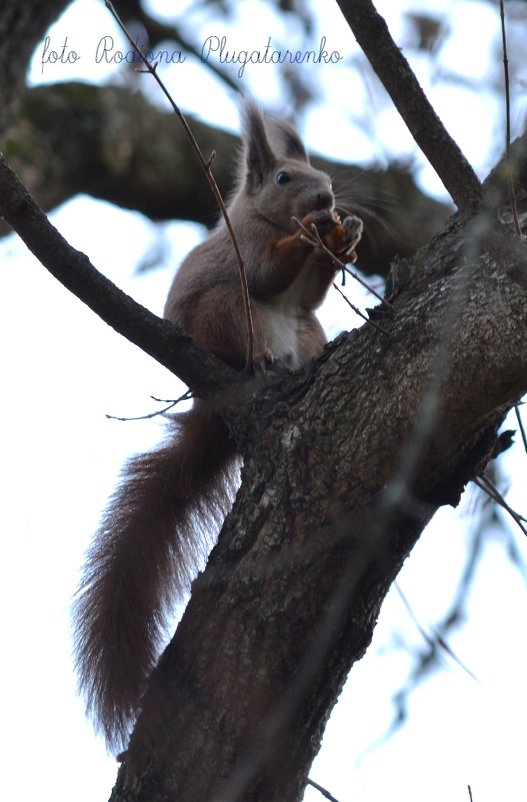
column 285, row 320
column 282, row 329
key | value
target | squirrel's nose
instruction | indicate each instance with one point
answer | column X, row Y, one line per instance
column 325, row 200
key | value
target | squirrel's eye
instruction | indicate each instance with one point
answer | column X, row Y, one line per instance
column 283, row 177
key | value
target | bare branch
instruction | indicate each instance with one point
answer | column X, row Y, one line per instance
column 398, row 79
column 322, row 790
column 358, row 311
column 160, row 30
column 187, row 395
column 510, row 179
column 521, row 426
column 159, row 338
column 109, row 120
column 22, row 26
column 488, row 487
column 206, row 166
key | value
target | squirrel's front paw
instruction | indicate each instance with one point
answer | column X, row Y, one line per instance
column 263, row 361
column 353, row 226
column 345, row 236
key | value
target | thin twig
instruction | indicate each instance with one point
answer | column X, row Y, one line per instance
column 470, row 793
column 169, row 405
column 322, row 790
column 160, row 32
column 435, row 639
column 520, row 424
column 212, row 181
column 485, row 484
column 510, row 179
column 494, row 490
column 359, row 313
column 315, row 239
column 350, row 272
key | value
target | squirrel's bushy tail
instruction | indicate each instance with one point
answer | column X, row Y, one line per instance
column 144, row 555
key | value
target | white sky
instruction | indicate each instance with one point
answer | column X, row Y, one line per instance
column 63, row 370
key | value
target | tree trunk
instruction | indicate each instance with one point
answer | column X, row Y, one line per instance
column 344, row 466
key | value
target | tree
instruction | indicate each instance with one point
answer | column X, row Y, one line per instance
column 340, row 476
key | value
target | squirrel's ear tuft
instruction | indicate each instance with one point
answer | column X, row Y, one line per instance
column 286, row 141
column 259, row 157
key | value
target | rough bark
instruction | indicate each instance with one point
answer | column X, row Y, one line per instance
column 344, row 465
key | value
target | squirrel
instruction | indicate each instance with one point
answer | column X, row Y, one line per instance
column 155, row 528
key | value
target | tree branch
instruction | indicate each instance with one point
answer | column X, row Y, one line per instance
column 21, row 27
column 123, row 150
column 398, row 79
column 159, row 31
column 159, row 338
column 205, row 165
